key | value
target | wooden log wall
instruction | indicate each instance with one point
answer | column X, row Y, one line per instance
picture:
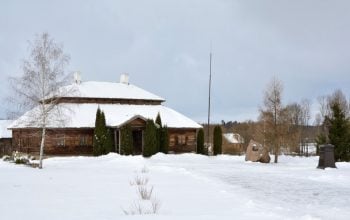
column 182, row 140
column 57, row 141
column 79, row 141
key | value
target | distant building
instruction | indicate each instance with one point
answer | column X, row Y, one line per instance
column 232, row 143
column 122, row 103
column 5, row 138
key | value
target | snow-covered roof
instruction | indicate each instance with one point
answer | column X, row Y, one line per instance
column 4, row 133
column 92, row 89
column 83, row 116
column 233, row 138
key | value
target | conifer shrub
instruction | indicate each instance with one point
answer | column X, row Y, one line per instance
column 109, row 143
column 150, row 139
column 158, row 120
column 97, row 148
column 159, row 134
column 162, row 136
column 126, row 140
column 200, row 141
column 164, row 140
column 217, row 140
column 103, row 137
column 339, row 132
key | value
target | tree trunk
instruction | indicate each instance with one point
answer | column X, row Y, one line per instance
column 276, row 154
column 42, row 148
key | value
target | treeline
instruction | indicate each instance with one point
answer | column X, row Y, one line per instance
column 284, row 125
column 286, row 128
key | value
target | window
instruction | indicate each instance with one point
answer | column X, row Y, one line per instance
column 182, row 140
column 60, row 140
column 176, row 140
column 83, row 140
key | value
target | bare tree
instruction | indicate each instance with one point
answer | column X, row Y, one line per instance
column 294, row 115
column 40, row 85
column 272, row 114
column 338, row 97
column 306, row 116
column 322, row 101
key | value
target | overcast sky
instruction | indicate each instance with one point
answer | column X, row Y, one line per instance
column 164, row 46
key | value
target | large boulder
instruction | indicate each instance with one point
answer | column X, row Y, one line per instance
column 256, row 152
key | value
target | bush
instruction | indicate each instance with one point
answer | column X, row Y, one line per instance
column 200, row 142
column 217, row 140
column 150, row 144
column 21, row 160
column 103, row 137
column 109, row 142
column 126, row 141
column 164, row 140
column 97, row 144
column 158, row 124
column 162, row 136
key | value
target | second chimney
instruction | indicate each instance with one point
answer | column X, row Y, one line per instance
column 77, row 77
column 124, row 78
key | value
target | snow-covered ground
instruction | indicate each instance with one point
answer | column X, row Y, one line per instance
column 187, row 186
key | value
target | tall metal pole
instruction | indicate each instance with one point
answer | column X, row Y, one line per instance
column 210, row 57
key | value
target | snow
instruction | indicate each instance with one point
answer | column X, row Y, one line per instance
column 4, row 133
column 188, row 186
column 93, row 89
column 83, row 116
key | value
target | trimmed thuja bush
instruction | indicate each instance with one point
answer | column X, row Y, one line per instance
column 162, row 136
column 217, row 140
column 103, row 137
column 126, row 145
column 97, row 145
column 158, row 124
column 164, row 140
column 200, row 142
column 109, row 143
column 150, row 139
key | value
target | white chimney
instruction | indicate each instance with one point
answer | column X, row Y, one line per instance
column 124, row 78
column 77, row 77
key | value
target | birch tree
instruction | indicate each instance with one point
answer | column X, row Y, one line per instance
column 40, row 85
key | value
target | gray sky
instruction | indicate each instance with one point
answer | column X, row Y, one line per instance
column 164, row 46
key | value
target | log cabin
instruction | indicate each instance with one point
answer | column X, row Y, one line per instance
column 122, row 103
column 232, row 144
column 5, row 138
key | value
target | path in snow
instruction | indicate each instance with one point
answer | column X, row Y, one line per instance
column 293, row 187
